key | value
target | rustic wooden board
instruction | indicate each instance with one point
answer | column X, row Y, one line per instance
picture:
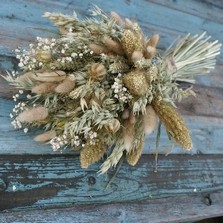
column 57, row 181
column 206, row 137
column 172, row 210
column 34, row 177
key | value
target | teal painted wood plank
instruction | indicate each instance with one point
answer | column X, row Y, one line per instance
column 19, row 17
column 206, row 135
column 206, row 9
column 57, row 181
column 177, row 209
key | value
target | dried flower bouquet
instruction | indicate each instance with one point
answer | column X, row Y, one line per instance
column 102, row 85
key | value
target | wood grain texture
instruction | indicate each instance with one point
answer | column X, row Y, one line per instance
column 57, row 181
column 34, row 177
column 174, row 209
column 22, row 18
column 206, row 130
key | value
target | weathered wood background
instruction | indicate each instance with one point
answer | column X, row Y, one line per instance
column 185, row 188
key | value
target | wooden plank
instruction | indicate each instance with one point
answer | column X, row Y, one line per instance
column 154, row 16
column 166, row 210
column 207, row 9
column 19, row 20
column 33, row 182
column 203, row 116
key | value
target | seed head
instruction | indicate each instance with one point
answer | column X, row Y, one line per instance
column 136, row 82
column 91, row 154
column 173, row 122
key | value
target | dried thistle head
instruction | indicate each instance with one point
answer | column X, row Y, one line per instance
column 136, row 82
column 97, row 71
column 131, row 42
column 91, row 154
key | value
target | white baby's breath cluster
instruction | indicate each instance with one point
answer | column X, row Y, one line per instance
column 120, row 91
column 100, row 86
column 58, row 142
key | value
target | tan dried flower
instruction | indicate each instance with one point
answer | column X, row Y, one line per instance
column 43, row 88
column 46, row 136
column 91, row 153
column 97, row 71
column 173, row 122
column 66, row 86
column 133, row 156
column 149, row 119
column 33, row 114
column 131, row 41
column 136, row 82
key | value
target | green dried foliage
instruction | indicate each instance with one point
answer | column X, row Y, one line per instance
column 99, row 74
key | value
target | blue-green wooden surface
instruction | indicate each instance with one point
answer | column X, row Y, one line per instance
column 34, row 177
